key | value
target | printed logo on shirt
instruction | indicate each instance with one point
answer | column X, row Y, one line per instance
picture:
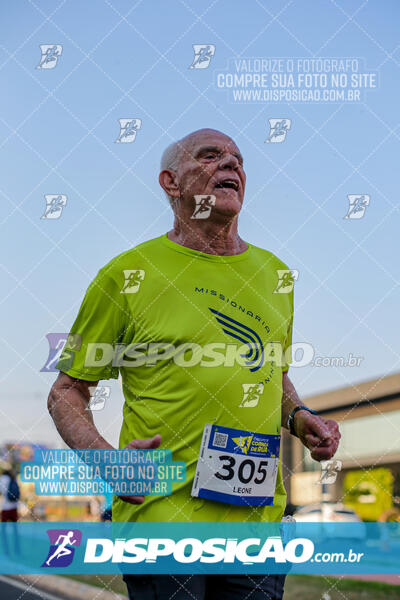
column 246, row 335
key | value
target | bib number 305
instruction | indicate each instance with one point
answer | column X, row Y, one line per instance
column 237, row 467
column 244, row 470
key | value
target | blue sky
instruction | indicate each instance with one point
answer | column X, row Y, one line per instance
column 130, row 60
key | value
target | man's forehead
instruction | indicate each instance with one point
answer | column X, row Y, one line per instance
column 200, row 138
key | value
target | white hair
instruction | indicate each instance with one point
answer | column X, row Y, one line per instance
column 170, row 156
column 170, row 159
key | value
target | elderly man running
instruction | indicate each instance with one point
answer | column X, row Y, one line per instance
column 208, row 334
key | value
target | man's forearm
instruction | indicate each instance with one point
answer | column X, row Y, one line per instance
column 290, row 399
column 68, row 402
column 68, row 408
column 320, row 436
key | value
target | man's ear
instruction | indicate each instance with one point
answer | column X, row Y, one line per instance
column 169, row 183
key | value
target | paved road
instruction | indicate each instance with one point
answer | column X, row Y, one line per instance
column 15, row 590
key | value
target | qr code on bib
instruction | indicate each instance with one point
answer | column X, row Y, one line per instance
column 220, row 439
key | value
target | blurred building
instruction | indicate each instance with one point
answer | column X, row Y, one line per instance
column 369, row 417
column 33, row 507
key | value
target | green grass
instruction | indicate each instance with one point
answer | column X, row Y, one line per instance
column 298, row 587
column 307, row 587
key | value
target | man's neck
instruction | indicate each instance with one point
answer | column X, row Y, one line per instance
column 211, row 238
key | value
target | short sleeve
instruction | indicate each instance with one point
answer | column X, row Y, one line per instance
column 287, row 349
column 102, row 322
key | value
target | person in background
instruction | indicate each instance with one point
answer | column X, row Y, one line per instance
column 9, row 489
column 106, row 513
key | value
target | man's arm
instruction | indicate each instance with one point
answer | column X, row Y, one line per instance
column 67, row 403
column 320, row 436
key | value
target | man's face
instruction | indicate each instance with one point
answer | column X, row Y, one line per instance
column 211, row 163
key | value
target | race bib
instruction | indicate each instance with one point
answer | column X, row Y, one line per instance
column 237, row 467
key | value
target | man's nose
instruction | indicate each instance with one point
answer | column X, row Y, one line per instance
column 228, row 161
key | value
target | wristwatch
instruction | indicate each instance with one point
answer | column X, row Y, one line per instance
column 290, row 422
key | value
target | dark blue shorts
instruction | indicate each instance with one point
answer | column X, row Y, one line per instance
column 205, row 587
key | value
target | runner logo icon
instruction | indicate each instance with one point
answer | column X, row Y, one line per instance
column 251, row 394
column 128, row 130
column 59, row 346
column 61, row 551
column 203, row 54
column 278, row 129
column 286, row 279
column 133, row 279
column 50, row 55
column 54, row 206
column 204, row 204
column 242, row 443
column 357, row 206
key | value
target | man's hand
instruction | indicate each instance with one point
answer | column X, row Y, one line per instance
column 320, row 436
column 149, row 444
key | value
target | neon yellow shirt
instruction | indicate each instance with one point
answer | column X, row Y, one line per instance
column 153, row 299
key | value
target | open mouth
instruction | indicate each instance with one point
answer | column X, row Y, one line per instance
column 228, row 184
